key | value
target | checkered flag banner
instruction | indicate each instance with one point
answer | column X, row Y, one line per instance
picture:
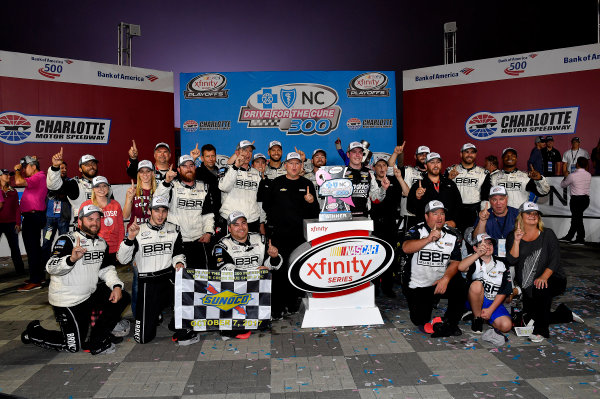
column 208, row 300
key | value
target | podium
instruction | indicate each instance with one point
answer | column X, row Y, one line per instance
column 335, row 267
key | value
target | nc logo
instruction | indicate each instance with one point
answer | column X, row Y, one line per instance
column 288, row 97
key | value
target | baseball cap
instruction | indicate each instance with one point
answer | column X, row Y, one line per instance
column 575, row 139
column 29, row 160
column 6, row 172
column 549, row 138
column 96, row 181
column 467, row 146
column 145, row 164
column 159, row 202
column 482, row 237
column 234, row 216
column 355, row 144
column 293, row 155
column 504, row 151
column 422, row 149
column 433, row 155
column 434, row 206
column 319, row 150
column 540, row 139
column 161, row 144
column 383, row 158
column 88, row 210
column 245, row 143
column 497, row 190
column 185, row 158
column 529, row 207
column 87, row 158
column 259, row 155
column 274, row 143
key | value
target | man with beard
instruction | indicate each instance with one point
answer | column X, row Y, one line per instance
column 469, row 178
column 191, row 209
column 518, row 184
column 319, row 158
column 550, row 157
column 162, row 159
column 434, row 186
column 79, row 259
column 77, row 189
column 275, row 166
column 239, row 187
column 364, row 184
column 288, row 200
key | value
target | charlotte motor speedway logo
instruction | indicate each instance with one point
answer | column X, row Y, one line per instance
column 486, row 125
column 17, row 128
column 294, row 108
column 370, row 84
column 206, row 85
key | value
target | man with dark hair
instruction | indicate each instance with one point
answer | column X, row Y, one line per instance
column 550, row 156
column 162, row 158
column 58, row 215
column 491, row 164
column 411, row 175
column 33, row 209
column 208, row 172
column 536, row 160
column 319, row 159
column 580, row 182
column 275, row 166
column 571, row 156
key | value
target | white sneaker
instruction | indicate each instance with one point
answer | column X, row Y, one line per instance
column 536, row 338
column 122, row 328
column 111, row 349
column 577, row 318
column 190, row 341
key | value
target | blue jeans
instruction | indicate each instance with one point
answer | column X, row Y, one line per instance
column 52, row 225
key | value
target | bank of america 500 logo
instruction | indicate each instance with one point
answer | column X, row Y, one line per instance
column 481, row 125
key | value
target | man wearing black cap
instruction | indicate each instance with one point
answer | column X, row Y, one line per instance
column 519, row 185
column 162, row 158
column 570, row 156
column 468, row 178
column 536, row 161
column 550, row 156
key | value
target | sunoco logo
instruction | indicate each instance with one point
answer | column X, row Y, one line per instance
column 371, row 84
column 295, row 108
column 208, row 85
column 487, row 125
column 17, row 128
column 340, row 264
column 226, row 300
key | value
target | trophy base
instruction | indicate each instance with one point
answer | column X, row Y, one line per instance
column 334, row 216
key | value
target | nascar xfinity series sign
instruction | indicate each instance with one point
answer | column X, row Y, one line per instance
column 304, row 109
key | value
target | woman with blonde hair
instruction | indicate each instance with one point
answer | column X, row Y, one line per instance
column 139, row 196
column 535, row 252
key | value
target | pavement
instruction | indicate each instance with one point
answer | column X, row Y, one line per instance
column 393, row 360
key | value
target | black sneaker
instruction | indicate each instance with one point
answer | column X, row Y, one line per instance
column 565, row 239
column 445, row 330
column 389, row 293
column 477, row 326
column 468, row 315
column 185, row 337
column 25, row 334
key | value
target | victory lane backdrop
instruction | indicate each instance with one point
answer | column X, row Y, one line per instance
column 306, row 109
column 208, row 300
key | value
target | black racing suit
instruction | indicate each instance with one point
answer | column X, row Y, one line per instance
column 364, row 187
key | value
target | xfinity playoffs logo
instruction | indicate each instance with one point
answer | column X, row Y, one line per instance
column 371, row 84
column 551, row 121
column 208, row 85
column 294, row 108
column 340, row 264
column 17, row 128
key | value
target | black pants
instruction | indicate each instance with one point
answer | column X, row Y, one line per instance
column 283, row 293
column 578, row 205
column 466, row 216
column 389, row 233
column 537, row 302
column 421, row 300
column 33, row 223
column 196, row 256
column 155, row 292
column 74, row 323
column 8, row 229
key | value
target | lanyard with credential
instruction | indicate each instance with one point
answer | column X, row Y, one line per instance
column 503, row 225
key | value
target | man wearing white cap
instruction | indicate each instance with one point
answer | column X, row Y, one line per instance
column 434, row 186
column 275, row 165
column 162, row 159
column 364, row 184
column 239, row 187
column 79, row 259
column 431, row 272
column 468, row 178
column 191, row 209
column 78, row 189
column 518, row 184
column 319, row 159
column 157, row 248
column 411, row 175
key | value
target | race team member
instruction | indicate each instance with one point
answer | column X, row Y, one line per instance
column 364, row 184
column 239, row 187
column 570, row 156
column 386, row 217
column 468, row 178
column 288, row 200
column 58, row 215
column 275, row 165
column 319, row 159
column 550, row 157
column 489, row 284
column 434, row 186
column 162, row 159
column 432, row 271
column 157, row 248
column 79, row 258
column 191, row 209
column 78, row 189
column 491, row 164
column 518, row 184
